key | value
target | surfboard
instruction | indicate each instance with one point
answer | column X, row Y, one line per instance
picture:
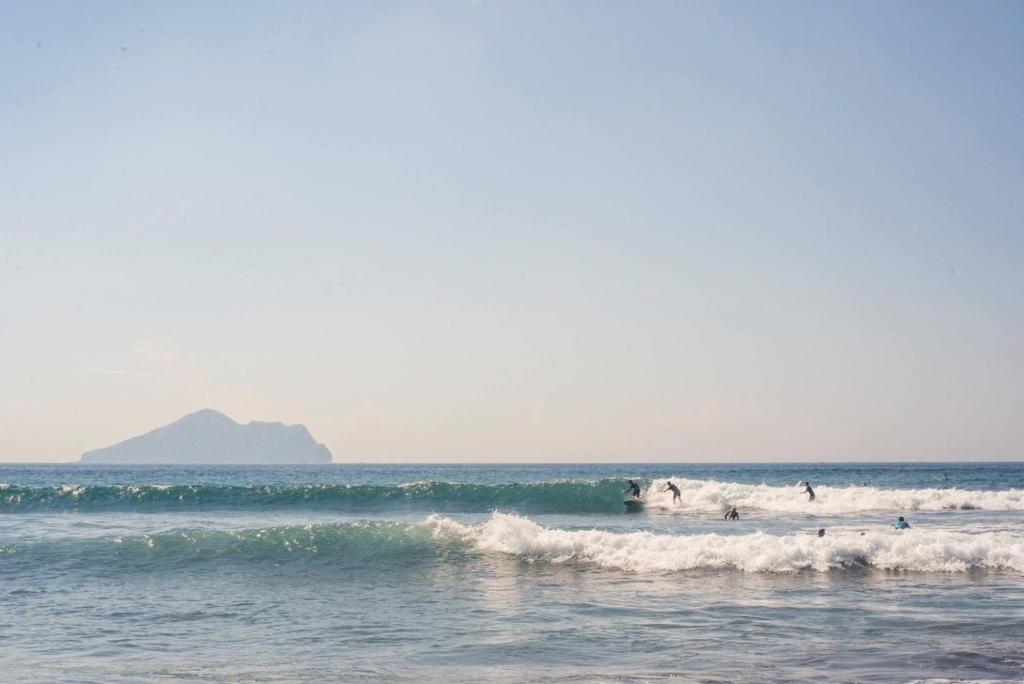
column 634, row 505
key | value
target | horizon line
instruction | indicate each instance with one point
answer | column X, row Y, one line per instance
column 553, row 463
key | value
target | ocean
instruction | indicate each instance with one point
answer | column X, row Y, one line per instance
column 510, row 573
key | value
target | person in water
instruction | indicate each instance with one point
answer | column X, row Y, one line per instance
column 733, row 514
column 634, row 488
column 902, row 524
column 676, row 496
column 809, row 491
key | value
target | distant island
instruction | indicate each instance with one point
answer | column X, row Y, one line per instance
column 209, row 436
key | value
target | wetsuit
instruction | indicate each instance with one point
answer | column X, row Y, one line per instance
column 676, row 496
column 635, row 489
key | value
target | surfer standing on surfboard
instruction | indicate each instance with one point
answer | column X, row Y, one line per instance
column 634, row 488
column 676, row 496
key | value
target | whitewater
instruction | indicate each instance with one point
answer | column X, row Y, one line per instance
column 514, row 535
column 711, row 495
column 701, row 496
column 909, row 550
column 511, row 573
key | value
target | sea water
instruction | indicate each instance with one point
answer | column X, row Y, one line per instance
column 511, row 573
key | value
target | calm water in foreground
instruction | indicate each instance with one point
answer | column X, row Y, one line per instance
column 511, row 573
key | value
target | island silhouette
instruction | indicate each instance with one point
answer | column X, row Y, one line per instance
column 209, row 436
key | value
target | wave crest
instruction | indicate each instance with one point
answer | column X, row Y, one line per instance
column 712, row 495
column 365, row 545
column 340, row 544
column 645, row 552
column 569, row 496
column 604, row 496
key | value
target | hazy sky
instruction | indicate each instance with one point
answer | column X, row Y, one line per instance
column 500, row 231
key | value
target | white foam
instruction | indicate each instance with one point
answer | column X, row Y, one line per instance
column 914, row 550
column 712, row 495
column 965, row 681
column 72, row 489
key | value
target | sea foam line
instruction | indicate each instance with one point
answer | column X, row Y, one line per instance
column 712, row 495
column 646, row 552
column 446, row 540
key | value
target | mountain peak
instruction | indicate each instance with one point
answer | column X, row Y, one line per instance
column 207, row 414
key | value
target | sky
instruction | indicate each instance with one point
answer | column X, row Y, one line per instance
column 517, row 231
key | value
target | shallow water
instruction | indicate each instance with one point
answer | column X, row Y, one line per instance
column 511, row 573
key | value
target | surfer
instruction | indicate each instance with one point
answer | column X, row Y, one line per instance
column 902, row 524
column 634, row 488
column 733, row 514
column 676, row 496
column 809, row 491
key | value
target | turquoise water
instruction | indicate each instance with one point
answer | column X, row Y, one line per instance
column 511, row 573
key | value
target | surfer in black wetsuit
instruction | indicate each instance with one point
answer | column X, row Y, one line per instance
column 733, row 514
column 676, row 496
column 634, row 488
column 809, row 491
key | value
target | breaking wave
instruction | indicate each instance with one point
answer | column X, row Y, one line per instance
column 712, row 495
column 367, row 545
column 571, row 496
column 645, row 552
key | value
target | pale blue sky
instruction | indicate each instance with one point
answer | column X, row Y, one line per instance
column 498, row 231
